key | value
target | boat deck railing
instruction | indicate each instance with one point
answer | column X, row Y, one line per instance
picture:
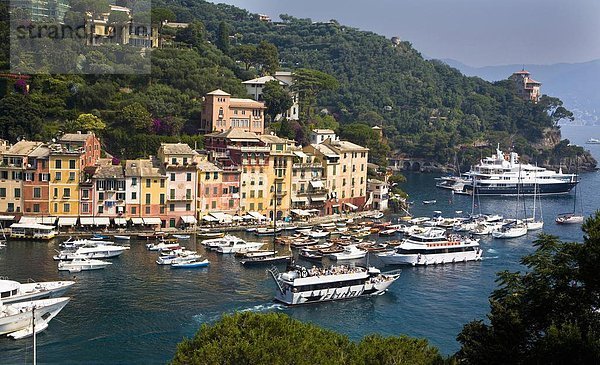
column 274, row 271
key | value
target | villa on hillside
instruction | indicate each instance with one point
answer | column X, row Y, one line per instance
column 221, row 112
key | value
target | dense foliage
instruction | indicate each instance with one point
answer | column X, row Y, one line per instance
column 274, row 338
column 546, row 315
column 426, row 108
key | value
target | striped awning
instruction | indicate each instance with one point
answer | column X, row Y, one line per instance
column 152, row 221
column 67, row 221
column 120, row 221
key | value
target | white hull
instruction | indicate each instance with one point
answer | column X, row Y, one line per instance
column 510, row 233
column 72, row 266
column 343, row 256
column 249, row 246
column 393, row 258
column 16, row 317
column 324, row 295
column 534, row 226
column 36, row 291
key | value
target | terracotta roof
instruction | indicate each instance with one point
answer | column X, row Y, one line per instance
column 235, row 134
column 532, row 81
column 207, row 166
column 323, row 149
column 150, row 168
column 218, row 92
column 75, row 137
column 23, row 148
column 246, row 103
column 177, row 149
column 41, row 151
column 268, row 138
column 109, row 172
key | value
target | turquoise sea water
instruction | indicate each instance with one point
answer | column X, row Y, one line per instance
column 135, row 312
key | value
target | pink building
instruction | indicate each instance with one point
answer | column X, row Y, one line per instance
column 221, row 112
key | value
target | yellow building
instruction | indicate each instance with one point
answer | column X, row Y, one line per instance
column 65, row 174
column 279, row 175
column 153, row 189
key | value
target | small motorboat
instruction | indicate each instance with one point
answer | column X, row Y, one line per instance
column 428, row 202
column 263, row 260
column 208, row 234
column 182, row 236
column 311, row 255
column 318, row 234
column 377, row 215
column 162, row 246
column 388, row 232
column 122, row 238
column 98, row 237
column 267, row 231
column 250, row 229
column 350, row 252
column 82, row 263
column 190, row 263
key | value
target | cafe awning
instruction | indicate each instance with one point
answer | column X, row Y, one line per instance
column 351, row 206
column 137, row 220
column 209, row 218
column 300, row 212
column 67, row 221
column 94, row 221
column 7, row 217
column 152, row 221
column 299, row 199
column 189, row 219
column 316, row 184
column 257, row 216
column 318, row 198
column 45, row 220
column 120, row 221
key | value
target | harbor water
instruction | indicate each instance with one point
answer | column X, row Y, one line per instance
column 136, row 312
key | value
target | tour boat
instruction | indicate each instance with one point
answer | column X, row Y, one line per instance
column 12, row 291
column 593, row 141
column 503, row 174
column 18, row 316
column 299, row 285
column 511, row 229
column 431, row 248
column 190, row 263
column 351, row 252
column 93, row 251
column 239, row 246
column 82, row 263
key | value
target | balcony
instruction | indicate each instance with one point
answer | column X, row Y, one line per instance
column 180, row 198
column 307, row 166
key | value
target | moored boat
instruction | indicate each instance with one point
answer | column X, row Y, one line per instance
column 299, row 285
column 12, row 291
column 18, row 316
column 190, row 263
column 82, row 263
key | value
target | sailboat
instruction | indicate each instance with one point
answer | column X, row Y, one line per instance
column 572, row 218
column 532, row 223
column 513, row 228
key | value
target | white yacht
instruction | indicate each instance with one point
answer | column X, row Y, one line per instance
column 503, row 174
column 351, row 252
column 593, row 141
column 95, row 250
column 239, row 246
column 175, row 256
column 299, row 285
column 82, row 263
column 18, row 316
column 512, row 229
column 431, row 248
column 215, row 243
column 12, row 291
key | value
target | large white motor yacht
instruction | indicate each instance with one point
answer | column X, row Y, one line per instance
column 431, row 248
column 18, row 316
column 12, row 291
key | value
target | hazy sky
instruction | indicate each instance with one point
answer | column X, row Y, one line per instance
column 475, row 32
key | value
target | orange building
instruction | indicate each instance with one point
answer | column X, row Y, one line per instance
column 36, row 183
column 527, row 88
column 221, row 112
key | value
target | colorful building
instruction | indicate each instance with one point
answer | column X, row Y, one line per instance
column 14, row 164
column 181, row 165
column 308, row 186
column 254, row 88
column 36, row 183
column 153, row 190
column 221, row 112
column 109, row 184
column 279, row 174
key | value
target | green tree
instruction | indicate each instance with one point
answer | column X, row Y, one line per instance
column 193, row 34
column 86, row 122
column 137, row 116
column 364, row 135
column 546, row 315
column 223, row 33
column 274, row 338
column 277, row 99
column 245, row 53
column 267, row 57
column 309, row 83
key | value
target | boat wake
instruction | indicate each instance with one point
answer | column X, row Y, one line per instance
column 264, row 308
column 490, row 257
column 491, row 250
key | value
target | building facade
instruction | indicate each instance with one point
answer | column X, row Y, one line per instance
column 527, row 88
column 221, row 112
column 378, row 194
column 254, row 88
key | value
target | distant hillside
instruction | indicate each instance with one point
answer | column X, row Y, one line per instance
column 576, row 84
